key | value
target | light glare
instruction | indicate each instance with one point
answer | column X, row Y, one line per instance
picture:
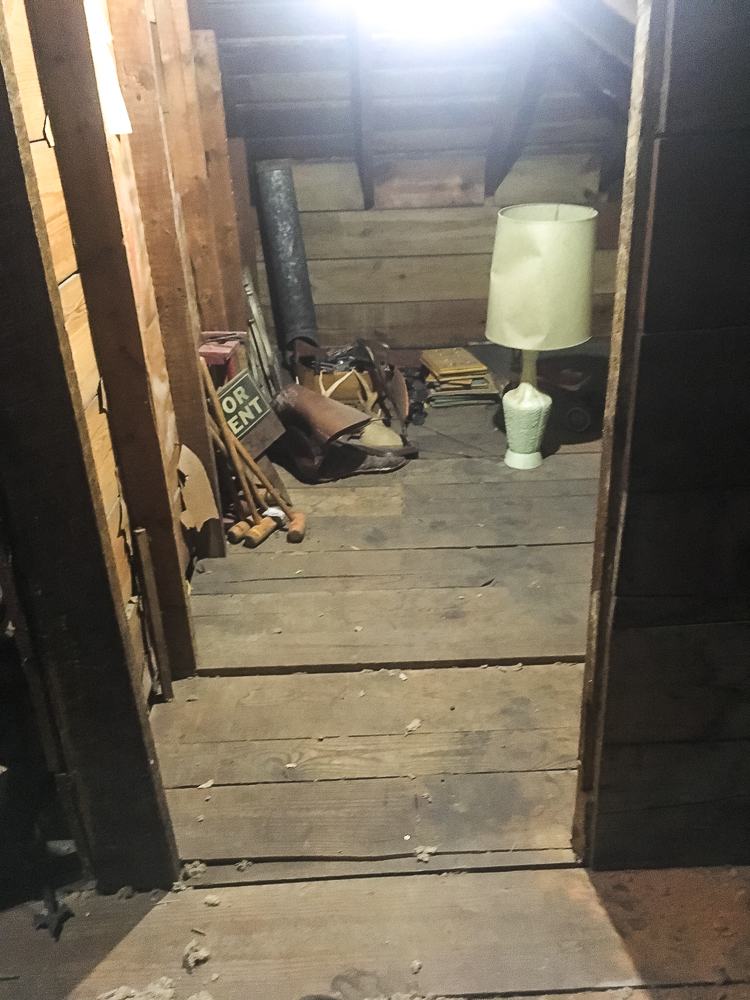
column 440, row 19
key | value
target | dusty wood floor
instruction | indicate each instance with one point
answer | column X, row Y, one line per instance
column 318, row 784
column 455, row 560
column 553, row 934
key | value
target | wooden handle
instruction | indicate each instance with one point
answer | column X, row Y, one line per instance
column 264, row 481
column 230, row 443
column 241, row 508
column 240, row 456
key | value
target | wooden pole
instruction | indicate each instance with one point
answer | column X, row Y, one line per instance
column 213, row 130
column 162, row 224
column 98, row 184
column 65, row 572
column 182, row 120
column 360, row 47
column 153, row 613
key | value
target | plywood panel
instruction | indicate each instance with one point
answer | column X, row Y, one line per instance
column 53, row 206
column 79, row 334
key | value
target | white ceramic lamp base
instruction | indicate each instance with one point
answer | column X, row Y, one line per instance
column 526, row 411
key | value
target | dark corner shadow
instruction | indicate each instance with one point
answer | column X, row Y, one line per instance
column 50, row 970
column 577, row 415
column 683, row 925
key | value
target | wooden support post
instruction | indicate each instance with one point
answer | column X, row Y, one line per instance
column 603, row 80
column 665, row 739
column 153, row 613
column 525, row 82
column 214, row 132
column 360, row 40
column 104, row 213
column 163, row 226
column 62, row 554
column 181, row 116
column 608, row 29
column 247, row 220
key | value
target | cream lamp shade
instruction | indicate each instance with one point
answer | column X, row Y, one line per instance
column 541, row 280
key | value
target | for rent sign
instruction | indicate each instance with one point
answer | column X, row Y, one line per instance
column 242, row 404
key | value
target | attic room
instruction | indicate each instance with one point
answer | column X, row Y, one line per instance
column 373, row 499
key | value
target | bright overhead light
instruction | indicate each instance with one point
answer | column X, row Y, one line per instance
column 440, row 19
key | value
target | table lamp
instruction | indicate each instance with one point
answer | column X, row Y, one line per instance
column 540, row 300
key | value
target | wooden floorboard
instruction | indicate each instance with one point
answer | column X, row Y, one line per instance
column 245, row 872
column 411, row 497
column 304, row 706
column 508, row 521
column 379, row 817
column 398, row 569
column 258, row 632
column 370, row 765
column 526, row 933
column 473, row 470
column 245, row 762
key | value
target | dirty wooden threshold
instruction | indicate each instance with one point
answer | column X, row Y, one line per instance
column 218, row 875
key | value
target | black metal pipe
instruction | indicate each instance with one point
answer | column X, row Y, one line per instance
column 284, row 252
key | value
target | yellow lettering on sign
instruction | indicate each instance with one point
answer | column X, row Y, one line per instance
column 235, row 426
column 229, row 405
column 240, row 395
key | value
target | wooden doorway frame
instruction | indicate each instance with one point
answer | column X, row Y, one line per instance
column 665, row 738
column 618, row 421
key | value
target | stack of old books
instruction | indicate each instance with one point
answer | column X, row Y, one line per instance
column 456, row 378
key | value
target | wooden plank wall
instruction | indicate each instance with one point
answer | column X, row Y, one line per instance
column 419, row 276
column 71, row 294
column 292, row 89
column 288, row 73
column 666, row 722
column 84, row 664
column 159, row 269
